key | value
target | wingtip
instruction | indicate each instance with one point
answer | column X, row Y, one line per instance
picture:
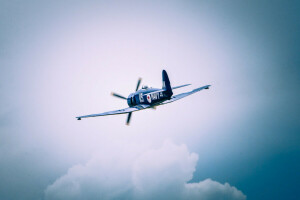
column 207, row 87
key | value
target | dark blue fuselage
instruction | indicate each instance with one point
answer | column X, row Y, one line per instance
column 150, row 96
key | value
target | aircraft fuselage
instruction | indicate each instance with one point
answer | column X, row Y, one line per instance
column 149, row 96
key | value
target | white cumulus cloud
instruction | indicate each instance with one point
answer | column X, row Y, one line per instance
column 160, row 173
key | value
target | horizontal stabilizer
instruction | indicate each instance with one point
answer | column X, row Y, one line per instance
column 182, row 95
column 180, row 86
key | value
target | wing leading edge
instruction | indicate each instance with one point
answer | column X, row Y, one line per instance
column 117, row 112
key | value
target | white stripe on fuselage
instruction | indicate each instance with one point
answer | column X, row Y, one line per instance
column 141, row 97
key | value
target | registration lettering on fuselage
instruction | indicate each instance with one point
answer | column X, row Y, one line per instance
column 150, row 97
column 154, row 96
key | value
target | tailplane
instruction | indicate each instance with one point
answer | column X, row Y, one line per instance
column 166, row 83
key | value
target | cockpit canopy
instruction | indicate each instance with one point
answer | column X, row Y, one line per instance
column 145, row 87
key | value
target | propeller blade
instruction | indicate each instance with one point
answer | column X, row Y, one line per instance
column 138, row 84
column 128, row 118
column 117, row 95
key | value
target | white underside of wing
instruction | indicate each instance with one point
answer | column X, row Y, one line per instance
column 117, row 112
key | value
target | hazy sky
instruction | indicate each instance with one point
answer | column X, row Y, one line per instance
column 61, row 59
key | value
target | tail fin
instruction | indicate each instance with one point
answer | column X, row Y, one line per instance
column 166, row 83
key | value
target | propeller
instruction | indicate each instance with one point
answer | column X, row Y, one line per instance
column 136, row 89
column 138, row 84
column 117, row 95
column 128, row 118
column 121, row 97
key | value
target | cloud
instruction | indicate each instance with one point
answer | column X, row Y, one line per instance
column 160, row 173
column 211, row 190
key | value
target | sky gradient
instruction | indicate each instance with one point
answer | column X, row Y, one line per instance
column 61, row 59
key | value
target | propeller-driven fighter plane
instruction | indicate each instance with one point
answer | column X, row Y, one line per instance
column 148, row 98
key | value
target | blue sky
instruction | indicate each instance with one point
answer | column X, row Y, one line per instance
column 62, row 59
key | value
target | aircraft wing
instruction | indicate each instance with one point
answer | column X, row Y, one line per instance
column 182, row 95
column 118, row 112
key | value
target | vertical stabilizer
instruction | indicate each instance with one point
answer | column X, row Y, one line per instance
column 166, row 83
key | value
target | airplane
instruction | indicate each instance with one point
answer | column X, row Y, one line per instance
column 146, row 98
